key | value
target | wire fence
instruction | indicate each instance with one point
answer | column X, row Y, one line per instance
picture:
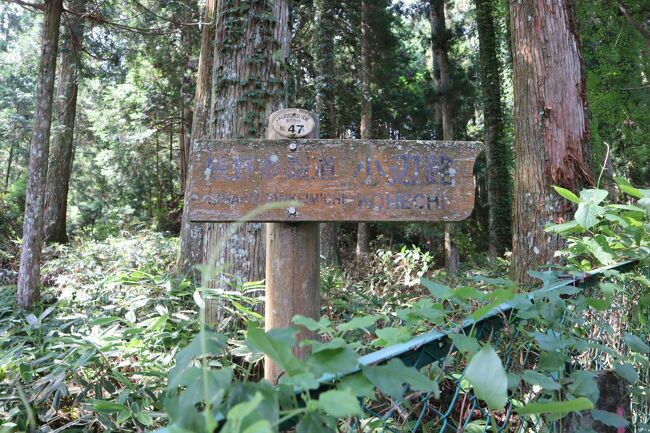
column 458, row 410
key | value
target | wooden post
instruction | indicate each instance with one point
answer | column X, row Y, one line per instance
column 292, row 249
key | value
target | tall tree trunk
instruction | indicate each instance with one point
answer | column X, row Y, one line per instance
column 30, row 256
column 61, row 155
column 188, row 87
column 441, row 82
column 552, row 138
column 10, row 160
column 326, row 107
column 498, row 181
column 238, row 86
column 363, row 230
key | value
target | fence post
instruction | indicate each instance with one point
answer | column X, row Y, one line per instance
column 292, row 255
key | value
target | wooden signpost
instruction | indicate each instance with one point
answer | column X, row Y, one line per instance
column 333, row 180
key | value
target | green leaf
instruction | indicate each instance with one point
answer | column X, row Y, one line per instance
column 278, row 345
column 437, row 290
column 144, row 418
column 567, row 194
column 338, row 360
column 535, row 378
column 390, row 378
column 627, row 372
column 599, row 304
column 488, row 378
column 238, row 414
column 314, row 422
column 358, row 323
column 608, row 418
column 310, row 323
column 588, row 213
column 466, row 344
column 595, row 196
column 551, row 341
column 214, row 345
column 566, row 406
column 108, row 406
column 358, row 384
column 636, row 344
column 627, row 188
column 567, row 227
column 389, row 336
column 584, row 385
column 303, row 381
column 340, row 403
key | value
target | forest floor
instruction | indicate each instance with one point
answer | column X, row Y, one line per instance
column 98, row 348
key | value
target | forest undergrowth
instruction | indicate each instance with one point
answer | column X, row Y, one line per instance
column 115, row 322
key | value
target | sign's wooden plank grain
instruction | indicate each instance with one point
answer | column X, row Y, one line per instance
column 334, row 180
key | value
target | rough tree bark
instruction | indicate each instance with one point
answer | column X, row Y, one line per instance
column 326, row 107
column 498, row 178
column 185, row 104
column 441, row 83
column 241, row 81
column 363, row 230
column 61, row 154
column 552, row 138
column 30, row 256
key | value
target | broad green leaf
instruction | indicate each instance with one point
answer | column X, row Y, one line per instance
column 390, row 378
column 358, row 323
column 340, row 403
column 389, row 336
column 599, row 252
column 214, row 345
column 259, row 426
column 588, row 213
column 310, row 323
column 599, row 304
column 144, row 418
column 303, row 381
column 609, row 418
column 595, row 196
column 566, row 406
column 466, row 344
column 627, row 372
column 108, row 406
column 567, row 194
column 627, row 188
column 610, row 289
column 239, row 412
column 636, row 344
column 535, row 378
column 567, row 227
column 339, row 360
column 278, row 345
column 315, row 422
column 583, row 384
column 438, row 290
column 551, row 341
column 488, row 378
column 358, row 384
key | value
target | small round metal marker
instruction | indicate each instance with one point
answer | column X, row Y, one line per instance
column 292, row 122
column 293, row 146
column 292, row 211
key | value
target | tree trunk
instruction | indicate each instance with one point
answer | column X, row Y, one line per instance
column 185, row 105
column 441, row 83
column 30, row 256
column 60, row 165
column 10, row 160
column 363, row 230
column 238, row 86
column 498, row 179
column 552, row 139
column 326, row 107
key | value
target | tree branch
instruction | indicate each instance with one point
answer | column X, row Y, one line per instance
column 39, row 7
column 637, row 25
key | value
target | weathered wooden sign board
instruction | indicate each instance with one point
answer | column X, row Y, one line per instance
column 334, row 180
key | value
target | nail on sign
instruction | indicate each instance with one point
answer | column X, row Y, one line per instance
column 334, row 180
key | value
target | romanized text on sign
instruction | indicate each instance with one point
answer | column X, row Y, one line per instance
column 334, row 180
